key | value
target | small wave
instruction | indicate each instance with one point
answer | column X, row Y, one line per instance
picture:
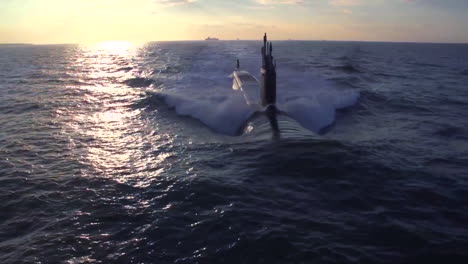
column 348, row 68
column 139, row 82
column 379, row 101
column 20, row 108
column 451, row 162
column 66, row 81
column 348, row 63
column 388, row 75
column 345, row 58
column 464, row 72
column 349, row 81
column 125, row 69
column 407, row 104
column 374, row 97
column 425, row 64
column 452, row 132
column 170, row 70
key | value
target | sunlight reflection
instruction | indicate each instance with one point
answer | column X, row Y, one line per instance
column 114, row 47
column 109, row 134
column 105, row 64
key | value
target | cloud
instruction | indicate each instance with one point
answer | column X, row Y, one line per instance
column 345, row 2
column 173, row 2
column 281, row 2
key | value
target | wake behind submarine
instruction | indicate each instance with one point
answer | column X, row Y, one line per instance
column 260, row 95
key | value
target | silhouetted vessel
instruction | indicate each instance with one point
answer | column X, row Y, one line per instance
column 268, row 74
column 261, row 95
column 210, row 38
column 245, row 82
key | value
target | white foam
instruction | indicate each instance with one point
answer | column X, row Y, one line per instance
column 204, row 92
column 224, row 113
column 311, row 100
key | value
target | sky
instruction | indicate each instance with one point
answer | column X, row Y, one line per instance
column 90, row 21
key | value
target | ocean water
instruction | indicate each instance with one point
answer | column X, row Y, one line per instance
column 116, row 153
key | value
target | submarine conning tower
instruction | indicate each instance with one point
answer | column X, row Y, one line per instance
column 268, row 74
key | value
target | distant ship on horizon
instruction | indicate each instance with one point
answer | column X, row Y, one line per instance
column 210, row 38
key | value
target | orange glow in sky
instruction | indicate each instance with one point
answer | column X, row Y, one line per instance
column 85, row 21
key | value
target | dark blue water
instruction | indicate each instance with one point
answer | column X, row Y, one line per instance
column 130, row 154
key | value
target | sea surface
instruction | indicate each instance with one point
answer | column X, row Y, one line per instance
column 121, row 153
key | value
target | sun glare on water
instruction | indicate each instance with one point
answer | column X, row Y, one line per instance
column 114, row 47
column 106, row 116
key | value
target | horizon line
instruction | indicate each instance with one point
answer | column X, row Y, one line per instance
column 220, row 40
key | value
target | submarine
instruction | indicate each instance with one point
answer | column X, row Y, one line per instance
column 260, row 95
